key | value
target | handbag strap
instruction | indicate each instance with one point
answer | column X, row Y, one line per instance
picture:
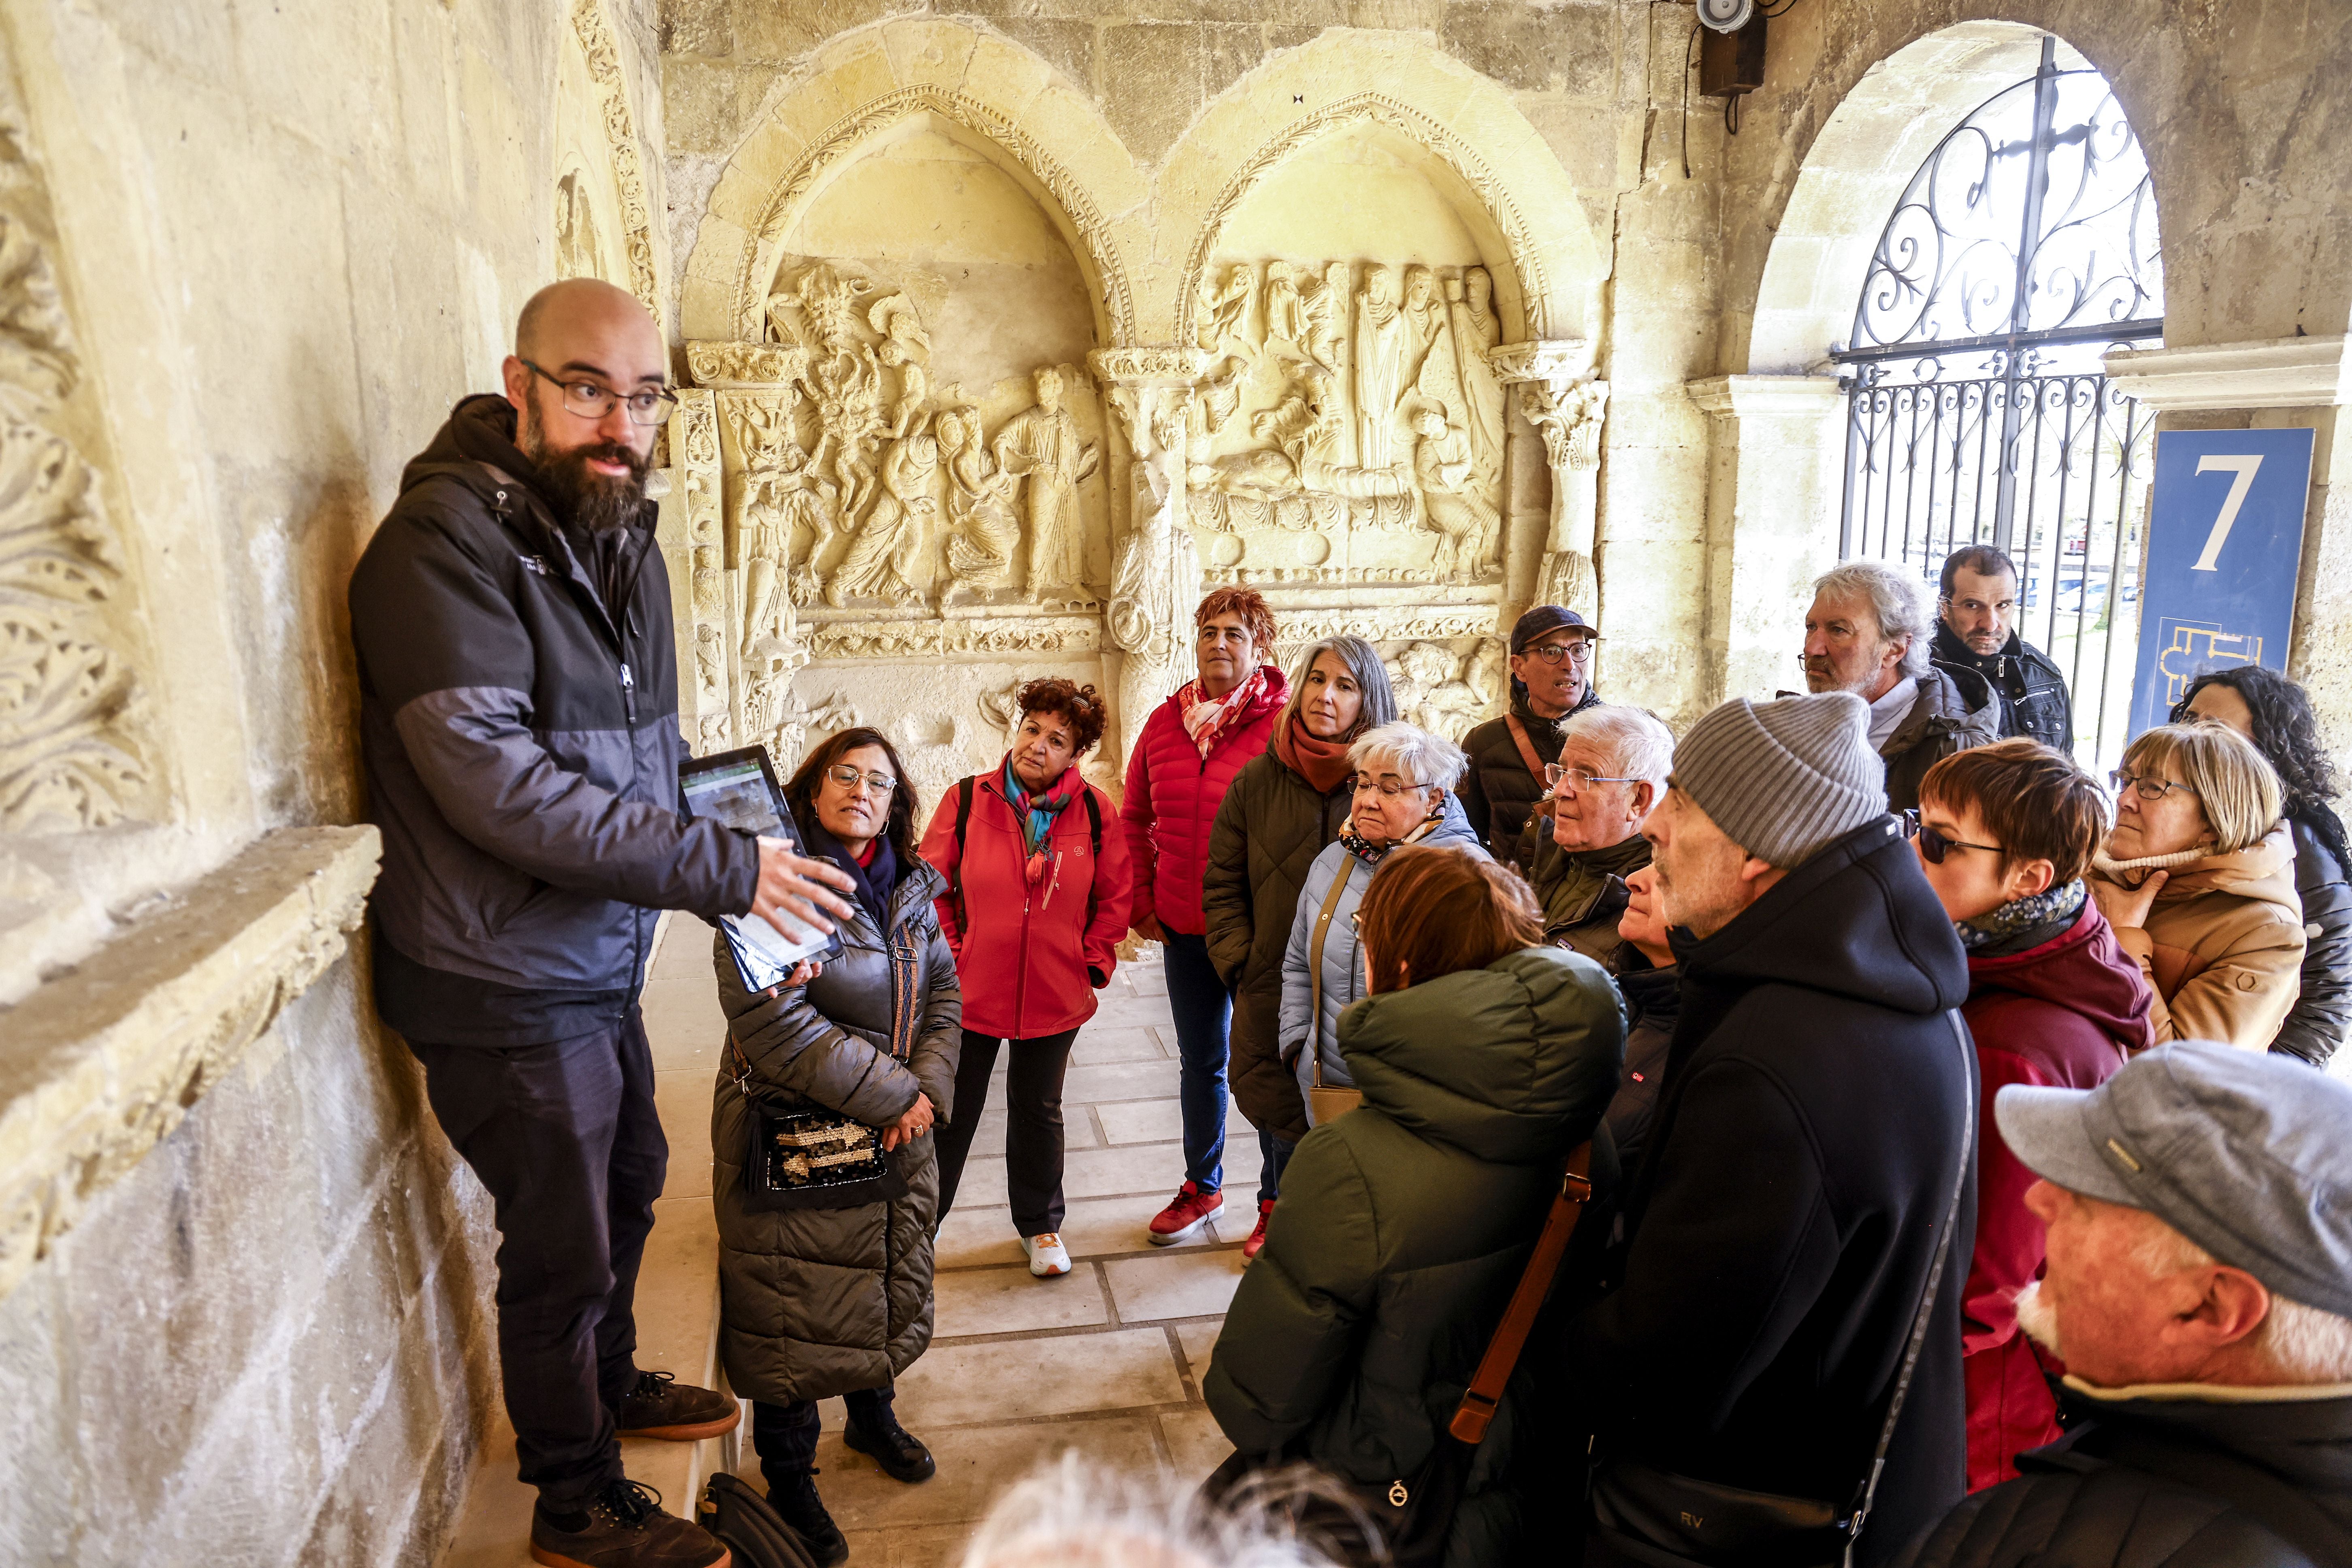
column 1315, row 964
column 1527, row 749
column 1853, row 1522
column 1495, row 1368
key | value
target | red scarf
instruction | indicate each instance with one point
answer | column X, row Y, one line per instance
column 1208, row 718
column 1323, row 764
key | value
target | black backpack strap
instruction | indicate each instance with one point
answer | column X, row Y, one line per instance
column 1094, row 820
column 963, row 817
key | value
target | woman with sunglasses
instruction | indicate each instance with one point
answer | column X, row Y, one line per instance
column 2005, row 833
column 815, row 1303
column 2198, row 878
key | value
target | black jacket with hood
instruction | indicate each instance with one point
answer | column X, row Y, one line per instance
column 2145, row 1481
column 1787, row 1210
column 520, row 738
column 2028, row 684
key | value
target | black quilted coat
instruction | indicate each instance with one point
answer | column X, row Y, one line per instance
column 2316, row 1027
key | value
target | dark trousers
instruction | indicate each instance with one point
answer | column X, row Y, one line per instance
column 1033, row 1133
column 1274, row 1158
column 564, row 1136
column 1204, row 1012
column 785, row 1436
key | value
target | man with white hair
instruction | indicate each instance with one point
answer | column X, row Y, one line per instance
column 1868, row 632
column 2199, row 1289
column 1585, row 838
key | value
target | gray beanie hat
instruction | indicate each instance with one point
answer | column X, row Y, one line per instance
column 1782, row 778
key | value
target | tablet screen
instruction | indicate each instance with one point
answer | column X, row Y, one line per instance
column 736, row 793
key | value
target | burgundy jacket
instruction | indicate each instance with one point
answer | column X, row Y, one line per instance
column 2064, row 1015
column 1172, row 796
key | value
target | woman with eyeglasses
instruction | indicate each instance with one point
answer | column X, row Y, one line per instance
column 815, row 1303
column 2005, row 833
column 2198, row 879
column 1283, row 809
column 1403, row 793
column 2273, row 712
column 1037, row 900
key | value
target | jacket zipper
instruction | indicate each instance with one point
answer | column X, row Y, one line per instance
column 629, row 699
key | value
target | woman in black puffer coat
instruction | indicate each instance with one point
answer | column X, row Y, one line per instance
column 815, row 1303
column 2273, row 712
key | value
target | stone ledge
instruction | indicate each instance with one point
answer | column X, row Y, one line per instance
column 100, row 1063
column 2280, row 372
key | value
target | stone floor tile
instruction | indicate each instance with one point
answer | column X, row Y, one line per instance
column 1173, row 1285
column 1136, row 1012
column 975, row 1463
column 1013, row 1300
column 1098, row 1045
column 988, row 1138
column 1148, row 975
column 678, row 1290
column 1110, row 1172
column 1091, row 1227
column 1199, row 1340
column 972, row 1238
column 982, row 1186
column 922, row 1546
column 1063, row 1374
column 1142, row 1120
column 1195, row 1443
column 682, row 1098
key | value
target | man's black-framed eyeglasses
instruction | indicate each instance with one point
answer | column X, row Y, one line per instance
column 1934, row 845
column 589, row 400
column 1578, row 648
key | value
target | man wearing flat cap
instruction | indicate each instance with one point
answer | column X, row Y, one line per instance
column 1551, row 677
column 2198, row 1290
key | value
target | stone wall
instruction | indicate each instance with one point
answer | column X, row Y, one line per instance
column 249, row 255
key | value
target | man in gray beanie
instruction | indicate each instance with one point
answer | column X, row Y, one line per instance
column 2199, row 1289
column 1809, row 1186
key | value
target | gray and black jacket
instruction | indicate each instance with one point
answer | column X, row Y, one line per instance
column 521, row 746
column 2029, row 685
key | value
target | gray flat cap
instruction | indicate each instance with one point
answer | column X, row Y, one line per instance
column 2247, row 1154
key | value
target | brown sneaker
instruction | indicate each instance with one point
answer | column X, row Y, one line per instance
column 623, row 1527
column 675, row 1411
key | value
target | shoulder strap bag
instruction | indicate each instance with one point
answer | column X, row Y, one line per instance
column 1327, row 1103
column 1404, row 1523
column 1527, row 750
column 1654, row 1516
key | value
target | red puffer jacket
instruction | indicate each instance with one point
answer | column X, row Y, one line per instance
column 1023, row 953
column 2062, row 1014
column 1172, row 795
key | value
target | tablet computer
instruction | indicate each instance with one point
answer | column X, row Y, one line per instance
column 738, row 788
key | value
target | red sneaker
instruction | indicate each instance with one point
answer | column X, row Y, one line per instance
column 1257, row 1238
column 1186, row 1214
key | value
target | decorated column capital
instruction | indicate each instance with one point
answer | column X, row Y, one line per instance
column 1150, row 365
column 1552, row 359
column 1557, row 392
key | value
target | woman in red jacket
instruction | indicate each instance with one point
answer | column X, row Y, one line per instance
column 2005, row 835
column 1036, row 902
column 1188, row 754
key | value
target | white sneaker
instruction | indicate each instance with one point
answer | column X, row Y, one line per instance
column 1047, row 1255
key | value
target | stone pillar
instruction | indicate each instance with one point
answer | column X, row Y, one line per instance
column 2282, row 384
column 1158, row 579
column 1555, row 391
column 1776, row 468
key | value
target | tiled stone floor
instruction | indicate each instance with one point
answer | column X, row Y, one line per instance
column 1106, row 1360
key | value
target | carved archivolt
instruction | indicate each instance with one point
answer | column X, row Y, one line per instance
column 841, row 141
column 620, row 133
column 70, row 753
column 1371, row 108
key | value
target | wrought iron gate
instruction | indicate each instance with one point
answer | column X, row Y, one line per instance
column 1977, row 412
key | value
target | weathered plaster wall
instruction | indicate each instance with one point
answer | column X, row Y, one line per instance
column 253, row 252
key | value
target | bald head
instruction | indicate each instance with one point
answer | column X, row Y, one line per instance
column 579, row 307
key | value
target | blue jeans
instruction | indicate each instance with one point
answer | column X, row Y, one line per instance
column 1274, row 1156
column 1203, row 1011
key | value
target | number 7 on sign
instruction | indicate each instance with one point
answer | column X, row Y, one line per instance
column 2243, row 480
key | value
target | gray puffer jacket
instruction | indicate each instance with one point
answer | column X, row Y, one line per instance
column 1343, row 960
column 814, row 1302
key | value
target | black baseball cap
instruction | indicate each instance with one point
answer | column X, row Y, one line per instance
column 1545, row 618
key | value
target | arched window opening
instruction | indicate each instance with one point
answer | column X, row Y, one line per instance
column 2023, row 249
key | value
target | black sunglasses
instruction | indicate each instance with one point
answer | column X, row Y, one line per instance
column 1934, row 845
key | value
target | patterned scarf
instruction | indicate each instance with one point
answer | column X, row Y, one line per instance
column 1321, row 762
column 1036, row 813
column 2031, row 917
column 1369, row 853
column 1207, row 718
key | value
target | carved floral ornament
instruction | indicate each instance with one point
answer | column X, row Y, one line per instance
column 595, row 37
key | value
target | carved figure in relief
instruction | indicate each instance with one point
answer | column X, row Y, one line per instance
column 1324, row 310
column 984, row 530
column 1467, row 525
column 578, row 250
column 778, row 493
column 1475, row 331
column 1285, row 322
column 1424, row 313
column 1225, row 314
column 1042, row 443
column 1221, row 396
column 1382, row 350
column 710, row 665
column 880, row 561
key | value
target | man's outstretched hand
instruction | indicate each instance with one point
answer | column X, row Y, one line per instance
column 795, row 891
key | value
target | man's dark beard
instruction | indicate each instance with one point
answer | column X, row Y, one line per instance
column 588, row 500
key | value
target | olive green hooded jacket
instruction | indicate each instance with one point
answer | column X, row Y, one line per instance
column 1403, row 1228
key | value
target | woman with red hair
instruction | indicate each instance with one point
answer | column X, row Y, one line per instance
column 1186, row 757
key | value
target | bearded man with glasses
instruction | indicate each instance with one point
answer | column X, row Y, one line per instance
column 519, row 729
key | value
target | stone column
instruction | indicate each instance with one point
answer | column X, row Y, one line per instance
column 1555, row 388
column 2282, row 384
column 1158, row 580
column 1776, row 469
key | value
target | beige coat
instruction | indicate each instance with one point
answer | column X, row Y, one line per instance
column 2223, row 946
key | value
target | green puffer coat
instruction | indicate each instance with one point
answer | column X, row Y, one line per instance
column 815, row 1303
column 1404, row 1226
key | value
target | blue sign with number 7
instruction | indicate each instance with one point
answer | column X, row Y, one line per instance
column 2224, row 545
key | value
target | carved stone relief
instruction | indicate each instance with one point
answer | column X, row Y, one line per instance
column 1443, row 692
column 588, row 24
column 1559, row 397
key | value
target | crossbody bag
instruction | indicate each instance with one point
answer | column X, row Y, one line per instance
column 1657, row 1516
